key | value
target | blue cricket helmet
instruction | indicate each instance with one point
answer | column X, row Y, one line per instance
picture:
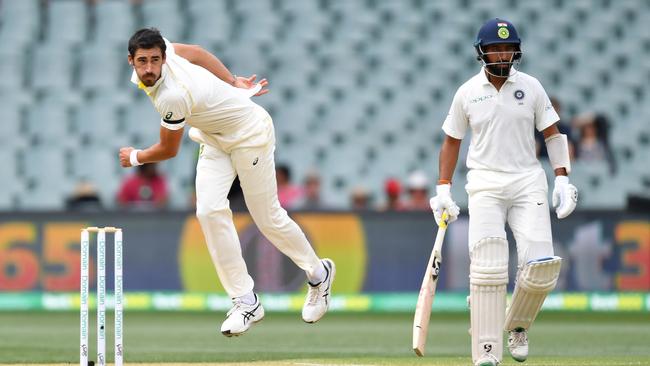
column 497, row 31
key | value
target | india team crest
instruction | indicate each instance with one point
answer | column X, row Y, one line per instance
column 503, row 33
column 519, row 94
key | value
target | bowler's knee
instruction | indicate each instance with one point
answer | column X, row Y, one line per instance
column 274, row 219
column 208, row 213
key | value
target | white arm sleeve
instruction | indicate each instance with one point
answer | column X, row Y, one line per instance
column 558, row 151
column 456, row 123
column 545, row 114
column 173, row 109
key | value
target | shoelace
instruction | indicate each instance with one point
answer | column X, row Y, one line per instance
column 314, row 295
column 518, row 338
column 236, row 306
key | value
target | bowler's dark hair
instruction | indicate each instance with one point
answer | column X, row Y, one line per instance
column 146, row 38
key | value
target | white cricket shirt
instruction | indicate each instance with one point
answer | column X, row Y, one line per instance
column 501, row 121
column 187, row 93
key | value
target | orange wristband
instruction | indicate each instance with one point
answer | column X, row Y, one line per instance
column 444, row 181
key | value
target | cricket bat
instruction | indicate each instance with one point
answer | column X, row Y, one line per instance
column 428, row 290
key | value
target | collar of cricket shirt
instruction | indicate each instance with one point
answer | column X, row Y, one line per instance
column 150, row 89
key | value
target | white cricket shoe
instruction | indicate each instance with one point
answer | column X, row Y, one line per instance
column 241, row 317
column 318, row 296
column 487, row 359
column 518, row 344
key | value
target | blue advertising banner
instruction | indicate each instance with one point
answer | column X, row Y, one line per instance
column 375, row 252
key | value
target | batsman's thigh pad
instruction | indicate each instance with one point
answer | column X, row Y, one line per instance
column 536, row 279
column 488, row 280
column 529, row 218
column 487, row 216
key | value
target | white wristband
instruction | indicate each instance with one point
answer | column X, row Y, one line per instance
column 133, row 158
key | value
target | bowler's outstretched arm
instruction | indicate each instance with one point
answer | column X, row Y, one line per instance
column 166, row 148
column 201, row 57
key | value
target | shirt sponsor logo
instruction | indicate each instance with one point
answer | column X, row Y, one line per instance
column 481, row 99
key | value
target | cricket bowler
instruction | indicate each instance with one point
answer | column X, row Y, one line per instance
column 188, row 85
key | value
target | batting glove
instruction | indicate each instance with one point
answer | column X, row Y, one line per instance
column 565, row 196
column 443, row 201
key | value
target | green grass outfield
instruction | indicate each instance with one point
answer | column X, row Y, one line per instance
column 338, row 339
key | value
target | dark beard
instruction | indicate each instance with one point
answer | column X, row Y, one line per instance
column 502, row 72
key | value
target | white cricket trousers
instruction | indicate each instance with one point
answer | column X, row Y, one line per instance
column 255, row 166
column 518, row 199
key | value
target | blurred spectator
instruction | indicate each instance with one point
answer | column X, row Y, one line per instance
column 360, row 199
column 594, row 139
column 564, row 129
column 418, row 191
column 311, row 199
column 393, row 192
column 288, row 193
column 236, row 196
column 84, row 198
column 146, row 189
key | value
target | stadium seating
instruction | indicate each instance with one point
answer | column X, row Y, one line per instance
column 11, row 68
column 114, row 21
column 359, row 89
column 20, row 22
column 66, row 22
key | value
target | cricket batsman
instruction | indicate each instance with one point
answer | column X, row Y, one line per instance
column 188, row 85
column 505, row 183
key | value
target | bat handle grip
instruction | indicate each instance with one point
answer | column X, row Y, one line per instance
column 444, row 219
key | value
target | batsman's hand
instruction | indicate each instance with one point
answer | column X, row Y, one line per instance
column 565, row 196
column 249, row 83
column 443, row 201
column 125, row 156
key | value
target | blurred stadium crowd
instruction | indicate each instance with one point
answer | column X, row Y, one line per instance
column 359, row 90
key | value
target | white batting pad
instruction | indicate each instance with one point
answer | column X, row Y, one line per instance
column 488, row 280
column 536, row 279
